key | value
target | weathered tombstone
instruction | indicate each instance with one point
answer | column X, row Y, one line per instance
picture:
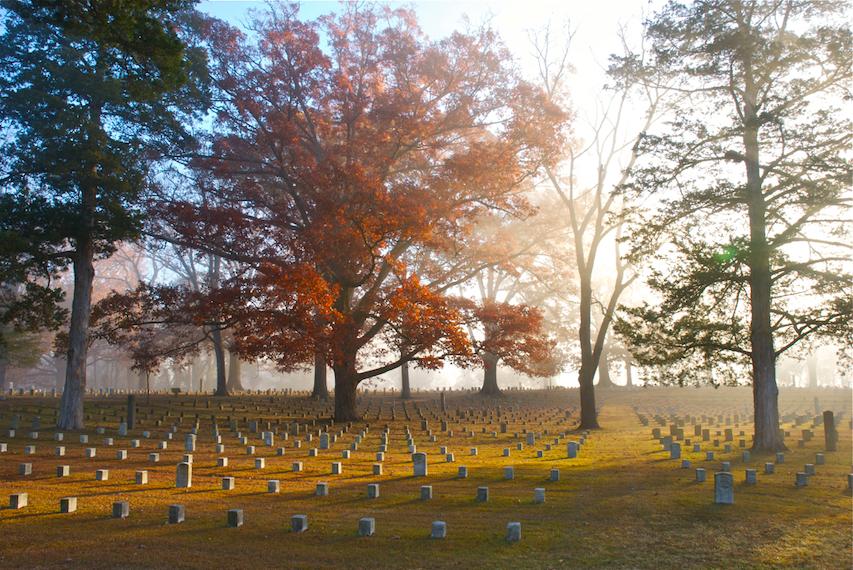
column 420, row 464
column 102, row 475
column 539, row 495
column 25, row 469
column 373, row 490
column 769, row 468
column 819, row 459
column 235, row 518
column 426, row 492
column 141, row 477
column 675, row 450
column 513, row 532
column 700, row 475
column 177, row 514
column 751, row 477
column 555, row 475
column 299, row 523
column 509, row 473
column 121, row 509
column 462, row 473
column 780, row 457
column 366, row 526
column 482, row 494
column 189, row 443
column 809, row 469
column 228, row 483
column 67, row 504
column 724, row 488
column 802, row 479
column 63, row 470
column 439, row 528
column 297, row 466
column 572, row 449
column 322, row 489
column 184, row 475
column 830, row 435
column 18, row 500
column 131, row 411
column 337, row 468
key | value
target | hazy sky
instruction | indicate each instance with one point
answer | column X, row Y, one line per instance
column 596, row 24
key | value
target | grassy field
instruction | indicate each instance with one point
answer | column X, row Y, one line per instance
column 622, row 503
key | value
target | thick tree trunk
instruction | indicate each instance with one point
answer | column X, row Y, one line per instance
column 346, row 384
column 219, row 354
column 764, row 388
column 71, row 405
column 604, row 379
column 406, row 391
column 321, row 388
column 490, row 375
column 589, row 416
column 235, row 383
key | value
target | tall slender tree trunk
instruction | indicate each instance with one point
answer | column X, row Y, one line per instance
column 406, row 390
column 764, row 388
column 3, row 367
column 59, row 378
column 235, row 383
column 589, row 364
column 71, row 405
column 811, row 363
column 490, row 375
column 604, row 379
column 629, row 373
column 321, row 388
column 219, row 355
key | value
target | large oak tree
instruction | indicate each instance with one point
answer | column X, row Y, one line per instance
column 342, row 145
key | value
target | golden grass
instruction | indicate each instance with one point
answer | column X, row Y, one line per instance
column 621, row 504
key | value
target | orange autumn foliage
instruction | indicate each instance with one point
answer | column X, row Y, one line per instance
column 343, row 149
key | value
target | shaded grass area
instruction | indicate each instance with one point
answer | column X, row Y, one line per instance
column 621, row 504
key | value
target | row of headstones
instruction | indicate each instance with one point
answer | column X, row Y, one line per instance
column 299, row 523
column 751, row 475
column 723, row 490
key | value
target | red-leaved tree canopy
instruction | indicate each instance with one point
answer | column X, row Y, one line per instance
column 340, row 147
